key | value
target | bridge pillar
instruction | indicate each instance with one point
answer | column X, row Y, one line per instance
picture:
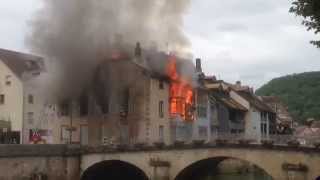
column 160, row 169
column 296, row 175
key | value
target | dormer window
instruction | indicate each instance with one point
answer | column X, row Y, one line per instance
column 30, row 99
column 8, row 80
column 2, row 99
column 161, row 84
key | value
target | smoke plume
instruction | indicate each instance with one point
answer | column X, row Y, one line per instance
column 75, row 35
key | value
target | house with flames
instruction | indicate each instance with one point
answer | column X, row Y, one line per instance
column 132, row 99
column 144, row 97
column 20, row 103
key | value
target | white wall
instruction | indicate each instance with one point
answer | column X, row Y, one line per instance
column 202, row 122
column 37, row 108
column 252, row 125
column 12, row 109
column 157, row 95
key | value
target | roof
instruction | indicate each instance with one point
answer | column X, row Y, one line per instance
column 255, row 101
column 228, row 101
column 307, row 132
column 271, row 99
column 316, row 124
column 20, row 62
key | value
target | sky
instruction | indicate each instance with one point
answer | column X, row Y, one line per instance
column 252, row 41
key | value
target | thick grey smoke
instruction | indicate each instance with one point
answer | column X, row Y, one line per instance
column 75, row 35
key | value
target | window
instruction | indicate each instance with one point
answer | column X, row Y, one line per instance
column 2, row 99
column 65, row 134
column 161, row 84
column 264, row 129
column 30, row 118
column 232, row 115
column 203, row 132
column 8, row 80
column 65, row 108
column 84, row 105
column 84, row 135
column 234, row 131
column 30, row 99
column 161, row 114
column 202, row 111
column 161, row 133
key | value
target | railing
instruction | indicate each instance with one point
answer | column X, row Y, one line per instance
column 228, row 138
column 231, row 138
column 274, row 139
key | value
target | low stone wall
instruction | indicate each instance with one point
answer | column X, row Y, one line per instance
column 35, row 162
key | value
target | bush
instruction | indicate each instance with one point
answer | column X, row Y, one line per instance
column 244, row 141
column 198, row 143
column 140, row 145
column 316, row 145
column 179, row 143
column 221, row 141
column 293, row 143
column 267, row 143
column 159, row 145
column 122, row 147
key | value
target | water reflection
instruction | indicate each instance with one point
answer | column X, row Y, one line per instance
column 248, row 176
column 223, row 169
column 232, row 169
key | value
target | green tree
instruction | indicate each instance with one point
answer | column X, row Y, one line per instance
column 301, row 92
column 310, row 11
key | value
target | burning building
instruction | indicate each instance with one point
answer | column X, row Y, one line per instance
column 142, row 95
column 128, row 92
column 181, row 93
column 133, row 98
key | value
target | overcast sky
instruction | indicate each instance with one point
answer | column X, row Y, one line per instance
column 248, row 40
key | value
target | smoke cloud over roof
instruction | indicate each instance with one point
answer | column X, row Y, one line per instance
column 75, row 35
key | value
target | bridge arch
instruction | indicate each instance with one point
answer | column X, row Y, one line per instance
column 113, row 169
column 202, row 167
column 196, row 159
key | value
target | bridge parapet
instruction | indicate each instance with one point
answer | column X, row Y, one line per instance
column 122, row 149
column 39, row 150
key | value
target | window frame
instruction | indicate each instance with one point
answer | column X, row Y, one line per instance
column 161, row 84
column 2, row 99
column 161, row 109
column 8, row 81
column 30, row 99
column 30, row 118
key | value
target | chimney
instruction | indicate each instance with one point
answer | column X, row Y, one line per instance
column 198, row 65
column 238, row 84
column 252, row 90
column 137, row 50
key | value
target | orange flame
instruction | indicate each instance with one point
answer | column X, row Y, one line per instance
column 181, row 93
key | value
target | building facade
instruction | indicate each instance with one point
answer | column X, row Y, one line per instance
column 18, row 104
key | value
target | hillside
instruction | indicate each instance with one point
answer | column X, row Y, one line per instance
column 301, row 92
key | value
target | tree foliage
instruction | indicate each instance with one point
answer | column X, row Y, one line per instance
column 310, row 11
column 301, row 92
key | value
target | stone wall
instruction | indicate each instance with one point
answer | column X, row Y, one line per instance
column 30, row 162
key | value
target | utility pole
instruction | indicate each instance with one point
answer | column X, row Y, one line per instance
column 71, row 123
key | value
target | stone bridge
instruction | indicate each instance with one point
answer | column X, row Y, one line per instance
column 52, row 162
column 184, row 163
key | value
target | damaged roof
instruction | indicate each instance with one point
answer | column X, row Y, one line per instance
column 228, row 101
column 20, row 62
column 255, row 101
